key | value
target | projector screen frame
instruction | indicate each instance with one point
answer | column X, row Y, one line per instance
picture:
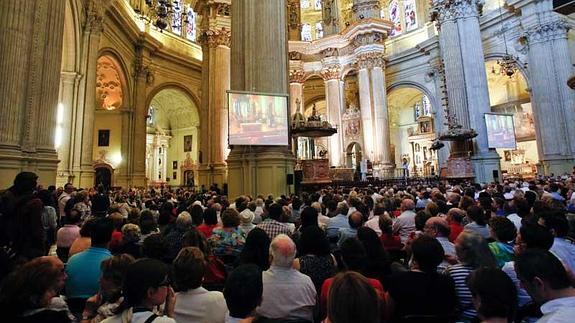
column 287, row 111
column 508, row 115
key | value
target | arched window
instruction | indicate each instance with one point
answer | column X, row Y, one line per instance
column 317, row 5
column 410, row 15
column 318, row 30
column 306, row 32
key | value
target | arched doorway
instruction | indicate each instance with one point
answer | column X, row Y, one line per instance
column 103, row 176
column 353, row 155
column 172, row 143
column 509, row 95
column 412, row 130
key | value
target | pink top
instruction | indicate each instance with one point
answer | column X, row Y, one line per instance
column 66, row 235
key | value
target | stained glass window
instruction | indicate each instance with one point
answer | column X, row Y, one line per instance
column 318, row 30
column 410, row 15
column 191, row 30
column 395, row 17
column 306, row 32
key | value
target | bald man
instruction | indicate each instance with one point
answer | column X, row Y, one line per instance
column 405, row 223
column 287, row 294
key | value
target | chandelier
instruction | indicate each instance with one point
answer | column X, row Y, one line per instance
column 508, row 63
column 162, row 13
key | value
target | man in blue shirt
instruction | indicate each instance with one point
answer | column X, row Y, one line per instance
column 83, row 269
column 337, row 222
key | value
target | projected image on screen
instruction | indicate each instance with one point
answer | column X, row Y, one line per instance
column 256, row 119
column 500, row 130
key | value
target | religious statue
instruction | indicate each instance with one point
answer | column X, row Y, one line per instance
column 314, row 116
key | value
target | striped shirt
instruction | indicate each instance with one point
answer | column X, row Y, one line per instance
column 459, row 273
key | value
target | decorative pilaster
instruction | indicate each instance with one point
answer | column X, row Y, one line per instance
column 31, row 46
column 334, row 94
column 259, row 63
column 215, row 38
column 553, row 102
column 466, row 80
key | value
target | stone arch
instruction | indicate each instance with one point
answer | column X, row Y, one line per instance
column 435, row 103
column 348, row 69
column 176, row 86
column 521, row 67
column 71, row 42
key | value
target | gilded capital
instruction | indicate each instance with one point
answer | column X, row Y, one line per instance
column 95, row 11
column 296, row 76
column 370, row 60
column 216, row 37
column 331, row 72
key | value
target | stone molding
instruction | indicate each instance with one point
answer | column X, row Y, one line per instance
column 331, row 72
column 368, row 39
column 366, row 9
column 215, row 37
column 370, row 60
column 544, row 32
column 297, row 76
column 450, row 10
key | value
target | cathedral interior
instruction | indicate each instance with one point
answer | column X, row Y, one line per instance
column 134, row 93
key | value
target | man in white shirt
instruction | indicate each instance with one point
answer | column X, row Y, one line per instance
column 562, row 248
column 546, row 280
column 287, row 293
column 405, row 223
column 64, row 197
column 439, row 229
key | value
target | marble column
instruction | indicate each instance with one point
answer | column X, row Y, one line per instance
column 381, row 120
column 550, row 67
column 31, row 36
column 462, row 53
column 366, row 112
column 215, row 39
column 334, row 95
column 259, row 63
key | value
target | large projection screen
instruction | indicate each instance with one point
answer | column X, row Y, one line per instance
column 257, row 119
column 500, row 130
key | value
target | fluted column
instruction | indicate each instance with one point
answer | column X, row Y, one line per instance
column 334, row 95
column 259, row 63
column 553, row 102
column 381, row 123
column 462, row 53
column 215, row 39
column 366, row 112
column 30, row 57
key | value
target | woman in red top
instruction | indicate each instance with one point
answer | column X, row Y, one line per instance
column 210, row 222
column 390, row 241
column 454, row 218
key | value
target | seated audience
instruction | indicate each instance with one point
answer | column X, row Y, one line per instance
column 315, row 259
column 146, row 286
column 256, row 249
column 352, row 299
column 109, row 297
column 404, row 225
column 84, row 241
column 130, row 241
column 494, row 295
column 243, row 293
column 546, row 280
column 389, row 240
column 29, row 294
column 421, row 291
column 210, row 222
column 193, row 302
column 562, row 247
column 67, row 234
column 83, row 269
column 355, row 221
column 503, row 232
column 272, row 225
column 439, row 229
column 287, row 293
column 378, row 263
column 228, row 241
column 174, row 237
column 472, row 253
column 478, row 221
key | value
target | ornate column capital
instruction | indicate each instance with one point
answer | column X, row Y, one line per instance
column 370, row 60
column 215, row 37
column 363, row 9
column 95, row 11
column 449, row 10
column 547, row 31
column 296, row 76
column 331, row 72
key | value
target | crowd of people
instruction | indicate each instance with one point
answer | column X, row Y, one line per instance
column 426, row 253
